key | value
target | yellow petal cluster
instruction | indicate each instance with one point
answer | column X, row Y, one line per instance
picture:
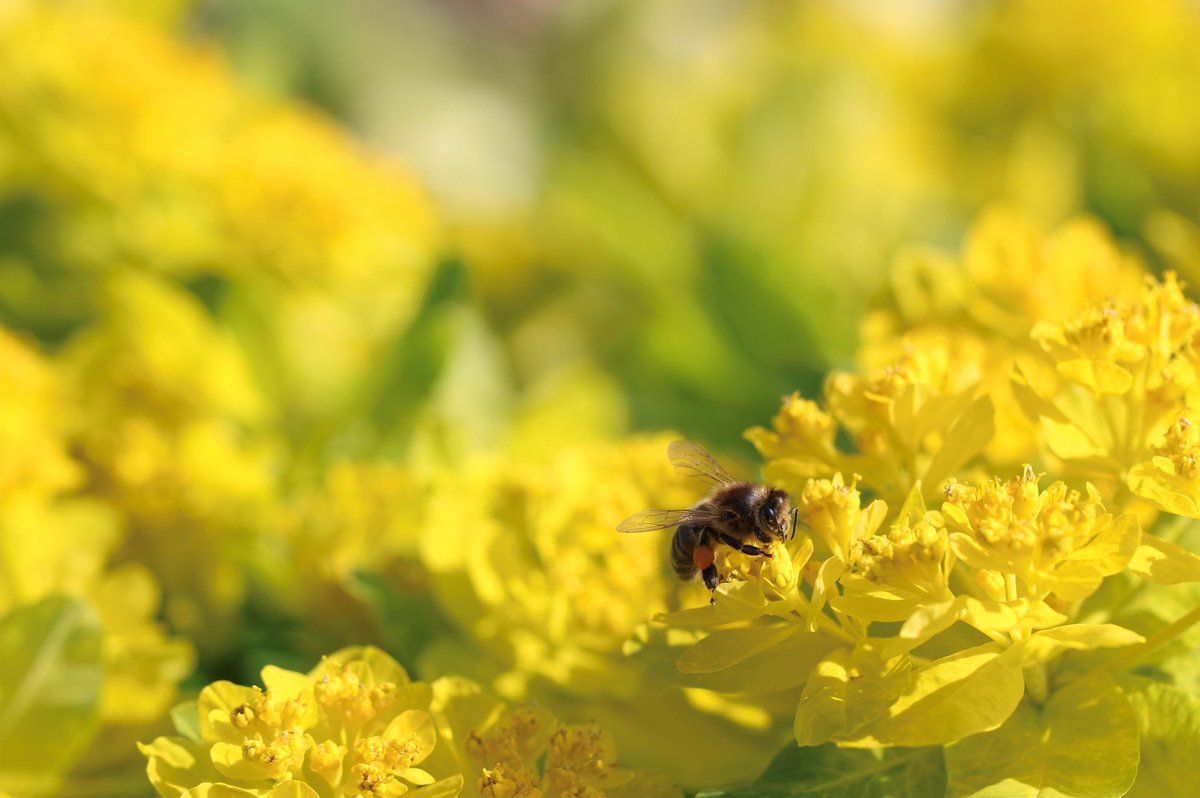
column 923, row 601
column 912, row 421
column 353, row 726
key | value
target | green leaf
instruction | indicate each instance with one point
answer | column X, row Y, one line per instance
column 830, row 772
column 1169, row 721
column 971, row 432
column 186, row 718
column 1047, row 644
column 839, row 698
column 1163, row 562
column 1083, row 744
column 725, row 647
column 972, row 691
column 49, row 690
column 445, row 788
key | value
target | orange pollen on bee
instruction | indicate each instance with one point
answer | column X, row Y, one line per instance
column 703, row 557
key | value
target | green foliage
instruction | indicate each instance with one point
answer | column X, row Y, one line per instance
column 1083, row 743
column 49, row 691
column 830, row 772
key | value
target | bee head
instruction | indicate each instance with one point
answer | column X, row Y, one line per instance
column 775, row 514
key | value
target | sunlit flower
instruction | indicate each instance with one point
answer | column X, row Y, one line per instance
column 526, row 562
column 354, row 726
column 1112, row 379
column 913, row 421
column 1171, row 478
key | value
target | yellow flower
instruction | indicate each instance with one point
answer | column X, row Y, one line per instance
column 1057, row 541
column 171, row 435
column 34, row 423
column 354, row 726
column 180, row 173
column 1171, row 477
column 1111, row 379
column 524, row 751
column 526, row 562
column 890, row 576
column 914, row 421
column 553, row 589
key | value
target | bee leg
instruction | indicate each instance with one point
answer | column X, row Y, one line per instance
column 711, row 580
column 744, row 548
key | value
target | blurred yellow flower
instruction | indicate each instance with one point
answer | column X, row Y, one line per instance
column 55, row 543
column 173, row 435
column 524, row 751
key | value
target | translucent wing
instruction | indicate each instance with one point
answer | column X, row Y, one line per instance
column 691, row 460
column 649, row 520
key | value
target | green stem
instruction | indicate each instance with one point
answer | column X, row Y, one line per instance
column 1134, row 654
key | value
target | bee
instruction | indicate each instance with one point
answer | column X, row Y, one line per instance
column 742, row 515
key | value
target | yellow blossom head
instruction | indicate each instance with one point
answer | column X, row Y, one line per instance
column 354, row 726
column 1059, row 540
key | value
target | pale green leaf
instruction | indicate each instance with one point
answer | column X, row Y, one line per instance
column 220, row 790
column 1047, row 644
column 1068, row 441
column 725, row 647
column 174, row 764
column 1163, row 562
column 830, row 772
column 50, row 680
column 445, row 788
column 839, row 699
column 1169, row 721
column 779, row 667
column 971, row 432
column 186, row 718
column 1082, row 744
column 957, row 696
column 1156, row 482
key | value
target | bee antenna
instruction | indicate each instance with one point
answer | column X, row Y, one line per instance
column 795, row 512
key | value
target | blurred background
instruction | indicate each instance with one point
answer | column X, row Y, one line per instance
column 300, row 297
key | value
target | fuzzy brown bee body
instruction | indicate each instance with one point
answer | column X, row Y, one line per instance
column 743, row 515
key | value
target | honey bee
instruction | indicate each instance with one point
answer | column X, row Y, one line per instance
column 735, row 513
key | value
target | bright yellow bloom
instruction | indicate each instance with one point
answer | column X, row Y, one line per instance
column 354, row 726
column 1057, row 541
column 1112, row 379
column 526, row 562
column 1171, row 478
column 139, row 152
column 914, row 421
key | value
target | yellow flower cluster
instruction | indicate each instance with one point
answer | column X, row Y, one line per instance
column 926, row 601
column 357, row 726
column 171, row 248
column 525, row 563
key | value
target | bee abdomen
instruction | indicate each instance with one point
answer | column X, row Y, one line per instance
column 683, row 548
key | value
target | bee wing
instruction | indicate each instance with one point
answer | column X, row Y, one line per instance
column 649, row 520
column 692, row 460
